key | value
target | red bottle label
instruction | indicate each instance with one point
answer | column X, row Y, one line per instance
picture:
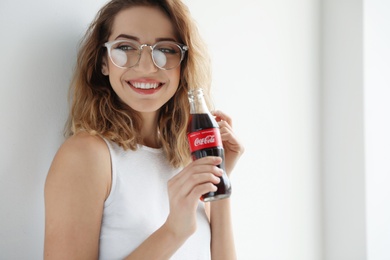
column 206, row 138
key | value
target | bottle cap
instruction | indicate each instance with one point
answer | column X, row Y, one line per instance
column 195, row 91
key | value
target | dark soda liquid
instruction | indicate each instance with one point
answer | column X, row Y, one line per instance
column 201, row 122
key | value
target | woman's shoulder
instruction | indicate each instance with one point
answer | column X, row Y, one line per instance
column 84, row 143
column 82, row 158
column 84, row 150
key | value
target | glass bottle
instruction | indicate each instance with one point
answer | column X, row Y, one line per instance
column 205, row 140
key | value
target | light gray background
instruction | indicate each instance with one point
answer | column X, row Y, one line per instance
column 306, row 82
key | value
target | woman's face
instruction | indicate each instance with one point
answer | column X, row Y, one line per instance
column 144, row 87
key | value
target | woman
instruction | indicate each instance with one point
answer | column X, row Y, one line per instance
column 122, row 186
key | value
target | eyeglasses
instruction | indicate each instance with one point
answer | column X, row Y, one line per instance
column 166, row 55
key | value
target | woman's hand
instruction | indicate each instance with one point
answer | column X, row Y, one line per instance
column 232, row 146
column 185, row 190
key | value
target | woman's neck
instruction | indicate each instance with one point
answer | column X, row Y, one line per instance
column 149, row 133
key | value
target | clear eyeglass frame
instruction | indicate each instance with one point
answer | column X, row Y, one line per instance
column 154, row 51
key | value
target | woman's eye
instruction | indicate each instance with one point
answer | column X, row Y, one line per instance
column 125, row 48
column 168, row 50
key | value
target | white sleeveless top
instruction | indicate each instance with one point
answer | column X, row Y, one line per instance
column 138, row 205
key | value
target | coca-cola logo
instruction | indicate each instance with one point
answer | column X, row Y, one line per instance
column 206, row 140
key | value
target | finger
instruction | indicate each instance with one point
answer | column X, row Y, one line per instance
column 198, row 174
column 230, row 140
column 207, row 160
column 186, row 190
column 226, row 131
column 228, row 136
column 199, row 190
column 198, row 180
column 204, row 165
column 221, row 116
column 225, row 124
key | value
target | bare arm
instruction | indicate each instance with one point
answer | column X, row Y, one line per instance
column 77, row 184
column 162, row 244
column 222, row 239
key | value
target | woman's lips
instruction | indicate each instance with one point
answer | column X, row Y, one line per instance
column 145, row 87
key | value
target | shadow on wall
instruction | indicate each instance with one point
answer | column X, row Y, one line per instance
column 38, row 57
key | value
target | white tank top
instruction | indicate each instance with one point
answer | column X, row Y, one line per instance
column 138, row 205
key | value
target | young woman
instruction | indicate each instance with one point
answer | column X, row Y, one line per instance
column 122, row 185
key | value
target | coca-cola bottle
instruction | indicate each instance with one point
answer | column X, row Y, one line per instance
column 205, row 140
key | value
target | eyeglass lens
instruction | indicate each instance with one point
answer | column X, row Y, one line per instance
column 165, row 55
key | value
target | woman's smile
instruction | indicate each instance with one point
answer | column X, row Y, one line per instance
column 145, row 86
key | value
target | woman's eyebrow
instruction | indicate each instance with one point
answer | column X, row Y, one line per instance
column 131, row 37
column 127, row 37
column 166, row 39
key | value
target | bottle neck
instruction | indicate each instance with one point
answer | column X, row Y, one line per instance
column 197, row 102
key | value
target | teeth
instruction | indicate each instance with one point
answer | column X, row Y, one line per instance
column 143, row 85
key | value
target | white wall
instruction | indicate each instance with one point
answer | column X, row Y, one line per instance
column 377, row 126
column 266, row 75
column 38, row 47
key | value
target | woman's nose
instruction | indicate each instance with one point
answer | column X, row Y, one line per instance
column 146, row 63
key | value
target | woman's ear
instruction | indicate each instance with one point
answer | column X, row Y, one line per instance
column 105, row 70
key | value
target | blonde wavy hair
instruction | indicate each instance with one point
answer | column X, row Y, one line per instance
column 97, row 109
